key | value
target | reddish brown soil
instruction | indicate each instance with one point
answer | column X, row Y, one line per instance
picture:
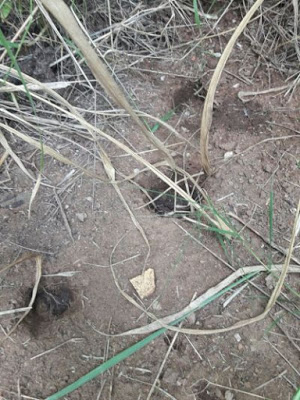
column 98, row 221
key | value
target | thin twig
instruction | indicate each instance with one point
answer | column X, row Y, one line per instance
column 266, row 240
column 67, row 225
column 163, row 364
column 270, row 381
column 285, row 359
column 287, row 335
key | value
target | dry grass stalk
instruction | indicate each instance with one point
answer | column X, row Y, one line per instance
column 20, row 30
column 13, row 155
column 65, row 17
column 231, row 389
column 38, row 262
column 159, row 323
column 162, row 365
column 209, row 100
column 62, row 14
column 72, row 113
column 34, row 192
column 164, row 322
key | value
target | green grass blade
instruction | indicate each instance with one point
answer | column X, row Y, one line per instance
column 218, row 231
column 13, row 57
column 273, row 324
column 196, row 12
column 211, row 6
column 105, row 366
column 164, row 118
column 13, row 45
column 297, row 395
column 15, row 65
column 25, row 31
column 74, row 48
column 5, row 9
column 136, row 347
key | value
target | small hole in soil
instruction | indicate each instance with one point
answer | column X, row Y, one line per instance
column 167, row 202
column 188, row 92
column 50, row 304
column 54, row 301
column 54, row 69
column 178, row 345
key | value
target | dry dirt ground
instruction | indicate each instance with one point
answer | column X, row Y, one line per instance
column 263, row 358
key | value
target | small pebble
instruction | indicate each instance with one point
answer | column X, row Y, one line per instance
column 237, row 337
column 81, row 216
column 229, row 395
column 228, row 154
column 191, row 318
